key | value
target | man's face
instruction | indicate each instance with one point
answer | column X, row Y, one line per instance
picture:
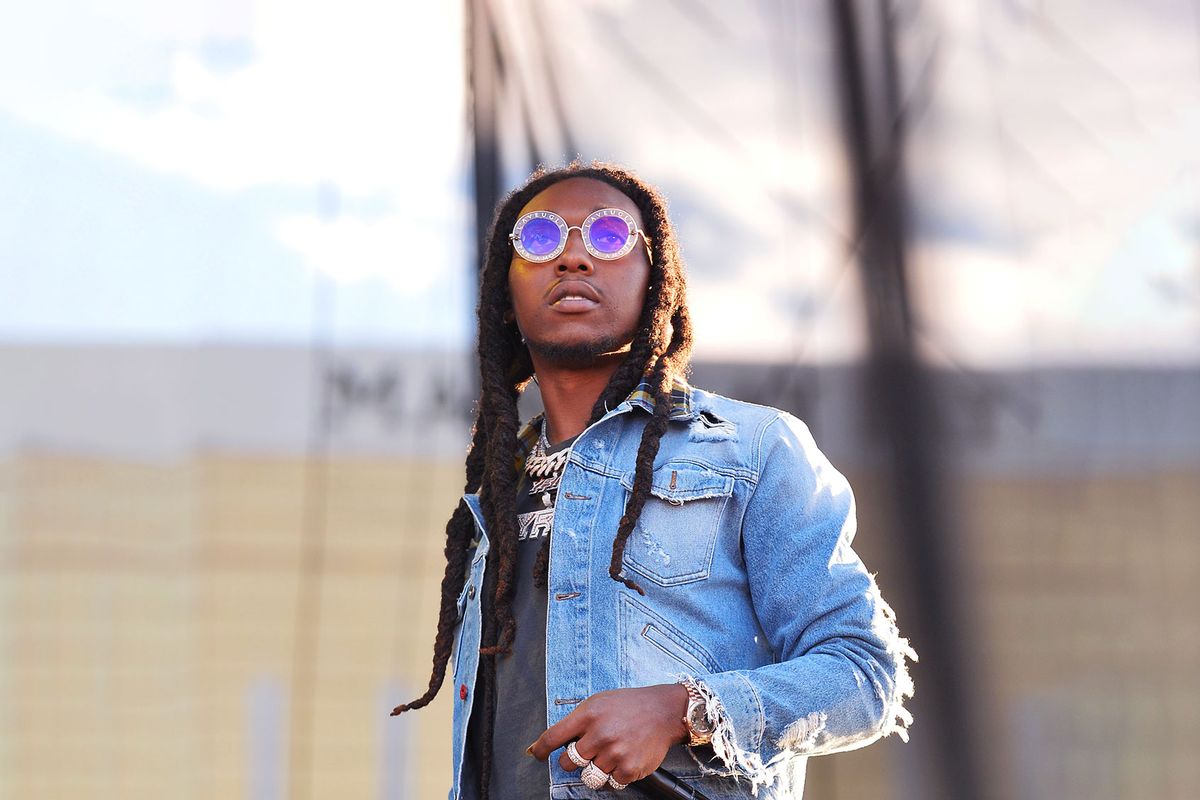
column 575, row 308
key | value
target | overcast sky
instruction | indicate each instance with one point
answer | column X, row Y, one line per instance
column 267, row 171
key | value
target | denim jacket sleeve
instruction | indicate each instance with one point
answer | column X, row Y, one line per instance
column 840, row 678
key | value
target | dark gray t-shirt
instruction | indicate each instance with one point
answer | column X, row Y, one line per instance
column 521, row 676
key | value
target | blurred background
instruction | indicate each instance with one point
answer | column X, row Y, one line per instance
column 237, row 275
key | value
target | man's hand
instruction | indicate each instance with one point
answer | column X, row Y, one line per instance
column 626, row 732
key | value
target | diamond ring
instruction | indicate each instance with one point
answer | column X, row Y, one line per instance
column 593, row 777
column 573, row 754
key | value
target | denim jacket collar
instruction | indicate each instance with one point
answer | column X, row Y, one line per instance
column 682, row 408
column 642, row 396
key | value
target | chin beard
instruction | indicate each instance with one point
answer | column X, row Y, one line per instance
column 577, row 354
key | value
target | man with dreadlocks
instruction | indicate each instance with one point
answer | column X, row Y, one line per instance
column 646, row 574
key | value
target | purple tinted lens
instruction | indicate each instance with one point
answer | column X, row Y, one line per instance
column 540, row 237
column 609, row 234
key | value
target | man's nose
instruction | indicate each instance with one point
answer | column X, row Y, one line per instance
column 575, row 257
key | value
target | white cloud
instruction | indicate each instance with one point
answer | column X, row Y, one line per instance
column 365, row 95
column 409, row 254
column 364, row 98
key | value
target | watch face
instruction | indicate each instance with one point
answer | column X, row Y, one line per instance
column 698, row 720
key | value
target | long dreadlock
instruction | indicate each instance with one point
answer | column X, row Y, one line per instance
column 659, row 353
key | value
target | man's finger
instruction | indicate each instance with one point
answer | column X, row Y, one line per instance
column 557, row 735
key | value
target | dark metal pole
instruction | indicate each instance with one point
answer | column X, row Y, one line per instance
column 483, row 82
column 902, row 403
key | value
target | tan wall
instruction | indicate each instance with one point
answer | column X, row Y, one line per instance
column 142, row 603
column 148, row 610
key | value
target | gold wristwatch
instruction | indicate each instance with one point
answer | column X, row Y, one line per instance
column 700, row 731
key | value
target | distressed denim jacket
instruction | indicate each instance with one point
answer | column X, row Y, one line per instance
column 753, row 595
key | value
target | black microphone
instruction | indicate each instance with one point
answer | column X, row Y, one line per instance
column 662, row 783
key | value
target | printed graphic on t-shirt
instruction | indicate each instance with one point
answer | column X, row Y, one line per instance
column 536, row 524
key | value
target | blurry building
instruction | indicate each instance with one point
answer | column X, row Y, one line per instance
column 209, row 552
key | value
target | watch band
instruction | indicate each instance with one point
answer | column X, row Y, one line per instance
column 695, row 699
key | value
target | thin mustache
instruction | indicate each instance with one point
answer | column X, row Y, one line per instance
column 591, row 293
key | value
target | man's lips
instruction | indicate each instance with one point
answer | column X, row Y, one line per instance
column 573, row 296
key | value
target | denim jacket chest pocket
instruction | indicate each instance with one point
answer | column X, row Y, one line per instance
column 673, row 541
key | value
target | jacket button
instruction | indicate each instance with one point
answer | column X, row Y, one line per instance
column 471, row 592
column 462, row 692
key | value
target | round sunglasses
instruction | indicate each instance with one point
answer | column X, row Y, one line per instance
column 607, row 234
